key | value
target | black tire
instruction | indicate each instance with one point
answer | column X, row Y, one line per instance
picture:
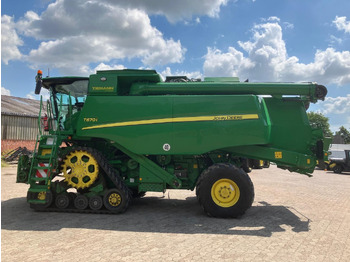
column 266, row 164
column 62, row 201
column 116, row 200
column 257, row 164
column 338, row 169
column 225, row 191
column 95, row 202
column 245, row 166
column 48, row 197
column 81, row 202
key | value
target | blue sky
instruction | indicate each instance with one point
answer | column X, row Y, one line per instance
column 263, row 40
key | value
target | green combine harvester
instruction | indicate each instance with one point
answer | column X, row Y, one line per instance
column 121, row 133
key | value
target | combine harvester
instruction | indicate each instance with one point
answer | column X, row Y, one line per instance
column 119, row 134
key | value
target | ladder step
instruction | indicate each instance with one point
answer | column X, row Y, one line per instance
column 39, row 178
column 38, row 189
column 45, row 157
column 44, row 146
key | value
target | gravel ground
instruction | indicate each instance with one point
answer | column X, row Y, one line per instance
column 293, row 218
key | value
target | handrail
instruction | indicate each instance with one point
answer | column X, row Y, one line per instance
column 59, row 117
column 39, row 119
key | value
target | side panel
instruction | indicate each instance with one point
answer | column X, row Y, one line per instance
column 175, row 124
column 290, row 127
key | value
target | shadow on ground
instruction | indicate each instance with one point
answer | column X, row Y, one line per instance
column 159, row 215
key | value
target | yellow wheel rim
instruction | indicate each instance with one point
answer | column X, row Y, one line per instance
column 225, row 193
column 80, row 169
column 42, row 195
column 114, row 199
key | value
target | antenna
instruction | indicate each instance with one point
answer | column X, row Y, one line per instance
column 48, row 72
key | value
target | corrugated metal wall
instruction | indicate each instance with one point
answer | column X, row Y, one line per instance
column 19, row 127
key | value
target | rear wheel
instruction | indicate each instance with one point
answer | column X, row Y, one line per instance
column 225, row 191
column 116, row 200
column 337, row 169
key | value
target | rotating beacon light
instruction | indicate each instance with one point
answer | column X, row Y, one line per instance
column 39, row 82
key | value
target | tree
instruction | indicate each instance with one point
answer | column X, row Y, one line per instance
column 319, row 120
column 344, row 133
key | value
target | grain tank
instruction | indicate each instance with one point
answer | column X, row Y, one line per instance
column 121, row 133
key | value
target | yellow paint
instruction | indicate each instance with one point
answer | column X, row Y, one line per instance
column 90, row 119
column 42, row 195
column 195, row 166
column 46, row 152
column 225, row 193
column 114, row 199
column 77, row 167
column 278, row 155
column 308, row 161
column 177, row 120
column 332, row 165
column 103, row 88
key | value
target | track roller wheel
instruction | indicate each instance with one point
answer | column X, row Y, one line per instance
column 225, row 191
column 95, row 202
column 81, row 202
column 116, row 200
column 48, row 196
column 62, row 201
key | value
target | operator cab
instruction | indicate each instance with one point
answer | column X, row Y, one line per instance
column 67, row 94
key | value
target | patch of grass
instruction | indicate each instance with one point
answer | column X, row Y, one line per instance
column 3, row 163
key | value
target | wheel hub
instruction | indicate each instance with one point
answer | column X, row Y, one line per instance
column 80, row 169
column 225, row 192
column 114, row 199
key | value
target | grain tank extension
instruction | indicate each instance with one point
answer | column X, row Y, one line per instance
column 117, row 134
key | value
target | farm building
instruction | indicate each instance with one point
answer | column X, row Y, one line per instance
column 19, row 122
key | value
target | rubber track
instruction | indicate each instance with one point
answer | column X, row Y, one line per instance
column 109, row 171
column 73, row 210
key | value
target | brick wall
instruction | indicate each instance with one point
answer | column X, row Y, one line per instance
column 7, row 145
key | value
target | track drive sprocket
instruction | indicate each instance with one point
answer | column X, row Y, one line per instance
column 80, row 169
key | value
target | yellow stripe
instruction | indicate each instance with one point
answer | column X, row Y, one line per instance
column 177, row 120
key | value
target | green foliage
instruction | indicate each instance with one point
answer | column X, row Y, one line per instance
column 344, row 133
column 3, row 163
column 318, row 119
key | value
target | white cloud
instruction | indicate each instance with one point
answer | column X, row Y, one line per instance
column 44, row 93
column 272, row 19
column 10, row 40
column 342, row 24
column 335, row 40
column 190, row 75
column 103, row 66
column 5, row 91
column 103, row 31
column 31, row 96
column 288, row 25
column 267, row 59
column 336, row 105
column 175, row 10
column 337, row 109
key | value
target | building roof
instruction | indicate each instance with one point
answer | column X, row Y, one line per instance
column 11, row 105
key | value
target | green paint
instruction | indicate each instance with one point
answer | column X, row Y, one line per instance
column 161, row 135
